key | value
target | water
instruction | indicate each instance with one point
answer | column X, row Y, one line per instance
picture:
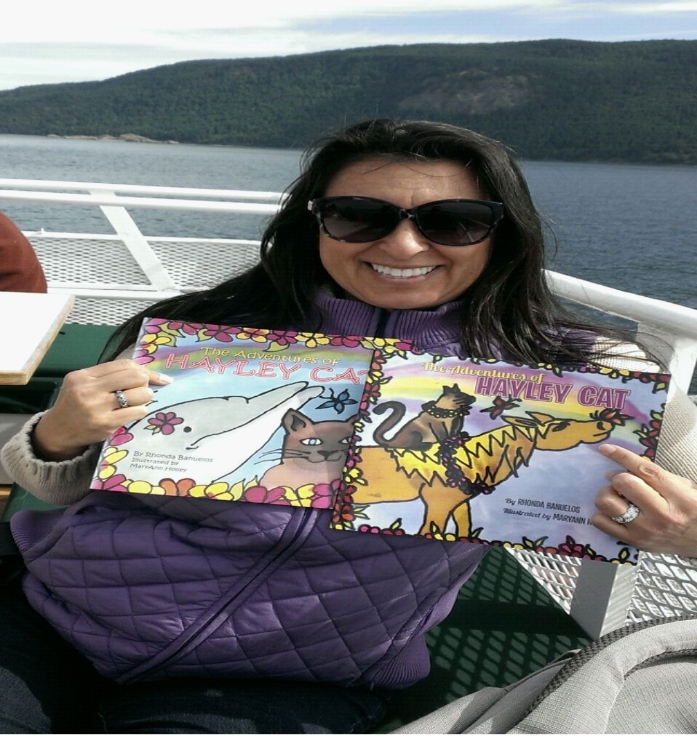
column 118, row 162
column 630, row 227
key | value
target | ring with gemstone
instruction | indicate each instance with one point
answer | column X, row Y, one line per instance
column 631, row 513
column 121, row 398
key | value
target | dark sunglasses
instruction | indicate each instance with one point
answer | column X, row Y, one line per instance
column 447, row 222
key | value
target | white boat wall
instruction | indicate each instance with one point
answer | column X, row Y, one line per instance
column 143, row 269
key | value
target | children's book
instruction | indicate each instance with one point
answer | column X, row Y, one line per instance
column 393, row 440
column 252, row 415
column 485, row 451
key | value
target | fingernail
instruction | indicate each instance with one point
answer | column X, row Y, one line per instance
column 166, row 379
column 607, row 448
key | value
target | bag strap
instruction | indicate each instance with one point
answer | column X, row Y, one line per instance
column 592, row 649
column 581, row 698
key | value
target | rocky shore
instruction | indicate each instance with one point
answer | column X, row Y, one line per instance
column 133, row 137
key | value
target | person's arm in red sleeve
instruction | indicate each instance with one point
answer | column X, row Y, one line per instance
column 20, row 269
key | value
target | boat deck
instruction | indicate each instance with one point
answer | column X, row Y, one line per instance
column 113, row 276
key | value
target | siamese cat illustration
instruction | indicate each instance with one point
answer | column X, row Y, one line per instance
column 314, row 452
column 439, row 419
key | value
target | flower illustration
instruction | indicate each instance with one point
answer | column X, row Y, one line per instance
column 379, row 360
column 648, row 434
column 191, row 329
column 611, row 415
column 164, row 423
column 312, row 340
column 556, row 369
column 281, row 339
column 259, row 335
column 324, row 494
column 479, row 360
column 158, row 331
column 500, row 405
column 142, row 355
column 112, row 456
column 345, row 512
column 371, row 394
column 217, row 333
column 275, row 496
column 120, row 436
column 338, row 402
column 436, row 534
column 179, row 488
column 661, row 383
column 350, row 341
column 353, row 457
column 216, row 491
column 302, row 496
column 140, row 487
column 454, row 474
column 624, row 374
column 395, row 529
column 580, row 550
column 623, row 557
column 155, row 325
column 113, row 483
column 395, row 347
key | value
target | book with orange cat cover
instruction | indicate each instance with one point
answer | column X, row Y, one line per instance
column 393, row 440
column 253, row 415
column 492, row 452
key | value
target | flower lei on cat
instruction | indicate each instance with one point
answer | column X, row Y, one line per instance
column 454, row 476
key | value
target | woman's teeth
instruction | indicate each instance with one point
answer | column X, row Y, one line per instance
column 402, row 273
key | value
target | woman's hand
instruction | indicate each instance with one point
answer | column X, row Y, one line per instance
column 667, row 521
column 87, row 410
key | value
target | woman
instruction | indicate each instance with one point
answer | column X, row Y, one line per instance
column 357, row 248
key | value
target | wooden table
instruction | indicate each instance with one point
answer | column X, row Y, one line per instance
column 29, row 323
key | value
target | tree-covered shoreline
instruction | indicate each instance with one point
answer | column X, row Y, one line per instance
column 555, row 99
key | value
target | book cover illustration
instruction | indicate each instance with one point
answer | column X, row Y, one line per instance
column 252, row 415
column 506, row 454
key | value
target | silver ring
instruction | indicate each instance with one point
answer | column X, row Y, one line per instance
column 121, row 399
column 631, row 513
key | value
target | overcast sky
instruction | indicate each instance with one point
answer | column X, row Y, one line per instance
column 45, row 41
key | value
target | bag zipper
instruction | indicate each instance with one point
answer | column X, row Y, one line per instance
column 210, row 621
column 219, row 611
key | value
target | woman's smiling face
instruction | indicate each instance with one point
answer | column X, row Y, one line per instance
column 404, row 270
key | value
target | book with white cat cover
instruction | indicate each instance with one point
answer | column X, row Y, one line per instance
column 393, row 440
column 492, row 452
column 252, row 415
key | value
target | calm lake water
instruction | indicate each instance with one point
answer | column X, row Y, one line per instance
column 631, row 227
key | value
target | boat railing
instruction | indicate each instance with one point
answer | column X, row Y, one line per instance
column 115, row 275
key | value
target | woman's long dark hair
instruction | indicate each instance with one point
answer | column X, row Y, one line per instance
column 509, row 310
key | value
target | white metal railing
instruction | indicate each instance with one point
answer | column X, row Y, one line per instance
column 668, row 330
column 36, row 185
column 150, row 269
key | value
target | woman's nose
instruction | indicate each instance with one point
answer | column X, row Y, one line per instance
column 405, row 241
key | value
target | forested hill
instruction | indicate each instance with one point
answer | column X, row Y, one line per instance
column 557, row 99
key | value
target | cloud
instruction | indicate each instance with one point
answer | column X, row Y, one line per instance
column 77, row 20
column 656, row 8
column 75, row 40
